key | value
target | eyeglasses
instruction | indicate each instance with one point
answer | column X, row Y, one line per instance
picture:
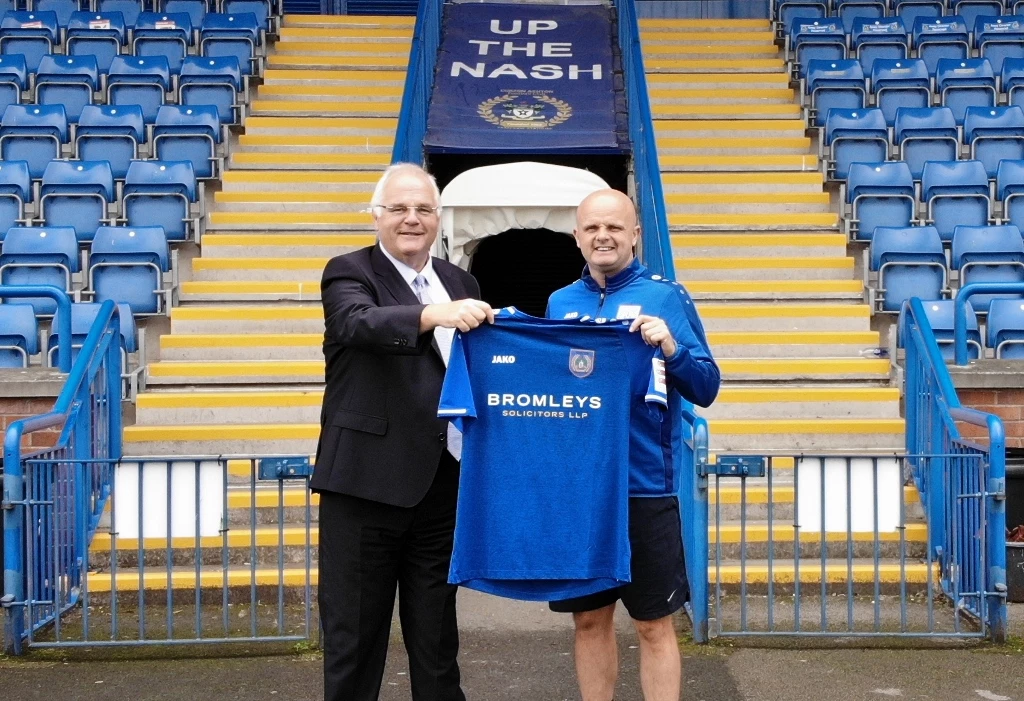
column 400, row 210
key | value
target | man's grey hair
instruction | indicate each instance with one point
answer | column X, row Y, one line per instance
column 378, row 191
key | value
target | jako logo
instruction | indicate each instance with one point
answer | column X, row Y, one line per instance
column 503, row 359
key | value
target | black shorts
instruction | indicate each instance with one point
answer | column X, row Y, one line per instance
column 658, row 571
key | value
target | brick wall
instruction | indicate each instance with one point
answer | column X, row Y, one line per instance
column 12, row 409
column 1007, row 404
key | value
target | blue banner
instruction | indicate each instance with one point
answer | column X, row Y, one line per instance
column 521, row 77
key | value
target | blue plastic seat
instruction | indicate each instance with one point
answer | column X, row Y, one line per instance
column 855, row 136
column 69, row 81
column 912, row 10
column 787, row 10
column 126, row 264
column 63, row 9
column 926, row 134
column 940, row 37
column 188, row 133
column 110, row 133
column 940, row 318
column 1010, row 191
column 163, row 34
column 237, row 35
column 77, row 194
column 969, row 82
column 15, row 191
column 100, row 35
column 83, row 316
column 955, row 193
column 1004, row 328
column 909, row 262
column 879, row 38
column 129, row 9
column 988, row 254
column 33, row 133
column 994, row 134
column 834, row 85
column 811, row 38
column 850, row 12
column 40, row 256
column 900, row 83
column 213, row 81
column 999, row 38
column 31, row 34
column 970, row 10
column 1011, row 81
column 13, row 79
column 19, row 335
column 195, row 9
column 161, row 193
column 139, row 80
column 879, row 195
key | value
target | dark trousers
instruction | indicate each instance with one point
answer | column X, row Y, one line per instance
column 367, row 550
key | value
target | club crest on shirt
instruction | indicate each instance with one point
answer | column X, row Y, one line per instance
column 581, row 362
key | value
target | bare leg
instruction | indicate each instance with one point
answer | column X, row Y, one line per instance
column 660, row 663
column 597, row 658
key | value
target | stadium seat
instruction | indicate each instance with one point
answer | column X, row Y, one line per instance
column 33, row 133
column 19, row 335
column 129, row 9
column 927, row 134
column 879, row 38
column 63, row 9
column 909, row 262
column 161, row 193
column 1004, row 328
column 854, row 136
column 1011, row 81
column 940, row 318
column 970, row 10
column 126, row 264
column 994, row 134
column 40, row 256
column 955, row 193
column 195, row 9
column 77, row 194
column 988, row 254
column 110, row 133
column 184, row 133
column 903, row 83
column 213, row 81
column 878, row 194
column 15, row 192
column 83, row 316
column 912, row 10
column 260, row 9
column 850, row 12
column 163, row 34
column 999, row 38
column 139, row 80
column 1009, row 191
column 100, row 35
column 232, row 35
column 31, row 34
column 67, row 80
column 787, row 10
column 13, row 80
column 811, row 38
column 966, row 83
column 833, row 85
column 940, row 37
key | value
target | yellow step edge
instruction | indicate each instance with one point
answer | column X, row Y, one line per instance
column 258, row 263
column 702, row 48
column 240, row 175
column 257, row 240
column 732, row 493
column 867, row 338
column 222, row 432
column 289, row 218
column 320, row 122
column 697, row 78
column 760, row 311
column 347, row 32
column 303, row 140
column 239, row 196
column 249, row 340
column 771, row 395
column 803, row 162
column 291, row 159
column 722, row 93
column 775, row 263
column 229, row 312
column 752, row 178
column 352, row 20
column 812, row 220
column 783, row 572
column 739, row 198
column 765, row 36
column 343, row 47
column 657, row 23
column 738, row 142
column 657, row 109
column 274, row 74
column 774, row 286
column 796, row 125
column 172, row 400
column 265, row 498
column 101, row 582
column 280, row 58
column 338, row 90
column 785, row 533
column 236, row 368
column 656, row 62
column 307, row 289
column 742, row 240
column 817, row 426
column 817, row 366
column 320, row 106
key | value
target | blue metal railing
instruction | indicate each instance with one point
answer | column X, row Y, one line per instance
column 419, row 79
column 650, row 198
column 63, row 315
column 960, row 311
column 962, row 483
column 57, row 495
column 693, row 508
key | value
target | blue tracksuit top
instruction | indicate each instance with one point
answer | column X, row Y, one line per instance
column 692, row 373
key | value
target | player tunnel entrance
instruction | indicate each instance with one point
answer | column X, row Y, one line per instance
column 511, row 226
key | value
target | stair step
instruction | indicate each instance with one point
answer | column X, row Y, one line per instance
column 248, row 319
column 660, row 64
column 791, row 344
column 804, row 402
column 235, row 372
column 753, row 221
column 752, row 110
column 861, row 571
column 767, row 162
column 740, row 128
column 326, row 106
column 804, row 368
column 212, row 347
column 760, row 246
column 682, row 146
column 401, row 32
column 808, row 435
column 650, row 37
column 358, row 180
column 781, row 290
column 376, row 92
column 313, row 80
column 295, row 221
column 749, row 182
column 340, row 21
column 310, row 161
column 710, row 50
column 287, row 245
column 702, row 26
column 784, row 317
column 321, row 126
column 306, row 62
column 382, row 141
column 782, row 268
column 272, row 270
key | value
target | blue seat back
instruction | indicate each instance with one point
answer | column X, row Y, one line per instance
column 98, row 24
column 16, row 180
column 92, row 177
column 64, row 69
column 968, row 72
column 846, row 72
column 172, row 23
column 141, row 69
column 195, row 9
column 161, row 176
column 211, row 69
column 949, row 177
column 188, row 119
column 122, row 261
column 260, row 9
column 988, row 121
column 113, row 120
column 18, row 328
column 888, row 29
column 131, row 243
column 910, row 263
column 973, row 244
column 940, row 29
column 867, row 122
column 239, row 24
column 41, row 244
column 940, row 317
column 970, row 10
column 35, row 119
column 890, row 177
column 1009, row 178
column 129, row 9
column 908, row 243
column 14, row 70
column 28, row 23
column 1005, row 323
column 905, row 71
column 83, row 316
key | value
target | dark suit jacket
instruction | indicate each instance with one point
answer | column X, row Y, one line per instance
column 380, row 438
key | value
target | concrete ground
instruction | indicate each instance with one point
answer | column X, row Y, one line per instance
column 515, row 651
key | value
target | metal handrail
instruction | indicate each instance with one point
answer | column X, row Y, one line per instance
column 960, row 311
column 63, row 315
column 693, row 503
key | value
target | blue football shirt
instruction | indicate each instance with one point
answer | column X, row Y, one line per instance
column 544, row 406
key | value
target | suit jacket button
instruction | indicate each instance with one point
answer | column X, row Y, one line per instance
column 398, row 341
column 441, row 437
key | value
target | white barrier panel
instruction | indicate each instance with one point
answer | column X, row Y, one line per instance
column 155, row 501
column 863, row 499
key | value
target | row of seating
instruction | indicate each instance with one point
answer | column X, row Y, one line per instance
column 1001, row 336
column 848, row 12
column 23, row 335
column 105, row 35
column 133, row 11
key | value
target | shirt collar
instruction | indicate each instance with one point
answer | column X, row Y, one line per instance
column 409, row 274
column 616, row 281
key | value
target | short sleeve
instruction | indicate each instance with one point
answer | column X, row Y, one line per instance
column 457, row 391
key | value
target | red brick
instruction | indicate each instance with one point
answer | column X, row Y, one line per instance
column 43, row 439
column 1010, row 396
column 1006, row 412
column 974, row 397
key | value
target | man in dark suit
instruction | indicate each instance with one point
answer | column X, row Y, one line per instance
column 387, row 468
